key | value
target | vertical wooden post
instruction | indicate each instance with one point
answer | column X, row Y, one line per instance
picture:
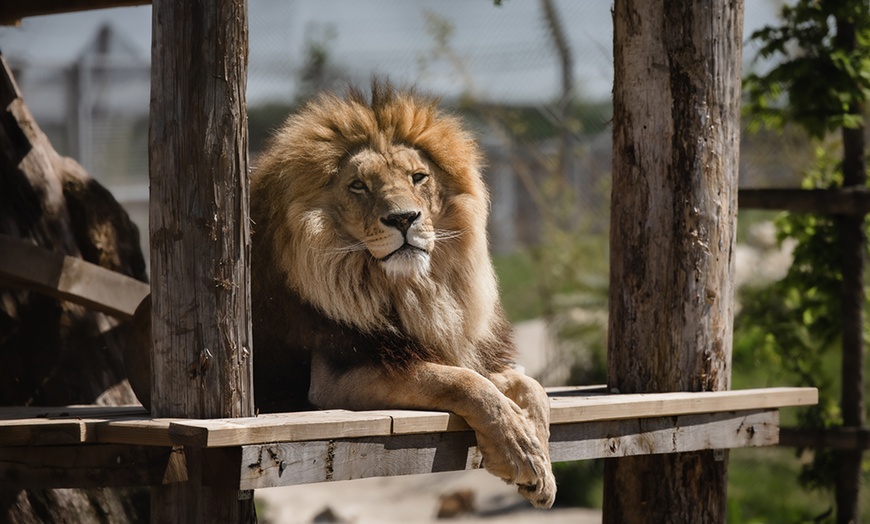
column 673, row 215
column 200, row 235
column 853, row 243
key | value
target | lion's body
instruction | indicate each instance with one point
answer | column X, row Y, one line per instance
column 342, row 302
column 372, row 286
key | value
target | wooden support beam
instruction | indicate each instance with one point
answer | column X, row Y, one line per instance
column 29, row 426
column 291, row 448
column 851, row 201
column 676, row 137
column 286, row 464
column 842, row 438
column 11, row 12
column 69, row 278
column 91, row 466
column 132, row 424
column 202, row 358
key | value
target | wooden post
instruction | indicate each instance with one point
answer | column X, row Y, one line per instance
column 200, row 236
column 673, row 214
column 853, row 243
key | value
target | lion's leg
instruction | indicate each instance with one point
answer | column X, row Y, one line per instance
column 531, row 397
column 508, row 441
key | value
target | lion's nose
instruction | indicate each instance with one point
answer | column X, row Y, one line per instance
column 401, row 221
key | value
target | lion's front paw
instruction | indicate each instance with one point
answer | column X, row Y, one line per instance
column 513, row 452
column 543, row 493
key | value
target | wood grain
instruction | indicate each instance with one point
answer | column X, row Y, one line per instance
column 131, row 424
column 286, row 464
column 68, row 278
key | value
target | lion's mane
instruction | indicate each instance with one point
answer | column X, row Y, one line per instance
column 452, row 310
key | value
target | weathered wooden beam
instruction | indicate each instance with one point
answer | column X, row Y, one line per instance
column 289, row 463
column 28, row 426
column 286, row 464
column 88, row 466
column 68, row 278
column 132, row 424
column 676, row 137
column 11, row 12
column 276, row 427
column 843, row 438
column 202, row 357
column 851, row 201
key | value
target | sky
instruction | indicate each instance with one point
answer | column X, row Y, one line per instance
column 506, row 49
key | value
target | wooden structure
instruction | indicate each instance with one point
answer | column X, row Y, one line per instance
column 202, row 449
column 88, row 446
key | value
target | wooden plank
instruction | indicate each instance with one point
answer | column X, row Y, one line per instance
column 289, row 463
column 580, row 408
column 21, row 426
column 283, row 427
column 67, row 278
column 82, row 466
column 846, row 438
column 11, row 12
column 136, row 431
column 852, row 201
column 286, row 464
column 623, row 438
column 407, row 422
column 75, row 411
column 131, row 424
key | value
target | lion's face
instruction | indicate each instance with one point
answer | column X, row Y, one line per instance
column 386, row 202
column 374, row 212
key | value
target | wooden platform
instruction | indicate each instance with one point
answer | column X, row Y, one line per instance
column 84, row 446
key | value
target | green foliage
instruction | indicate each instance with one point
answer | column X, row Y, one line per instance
column 793, row 325
column 763, row 489
column 819, row 81
column 586, row 481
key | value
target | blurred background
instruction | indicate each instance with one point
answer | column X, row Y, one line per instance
column 533, row 81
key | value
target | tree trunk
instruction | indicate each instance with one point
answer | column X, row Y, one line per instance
column 55, row 353
column 200, row 236
column 673, row 216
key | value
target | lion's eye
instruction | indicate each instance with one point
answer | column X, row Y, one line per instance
column 419, row 178
column 358, row 186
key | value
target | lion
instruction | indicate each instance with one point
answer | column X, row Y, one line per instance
column 372, row 283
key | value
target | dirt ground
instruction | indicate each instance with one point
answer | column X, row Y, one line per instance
column 411, row 499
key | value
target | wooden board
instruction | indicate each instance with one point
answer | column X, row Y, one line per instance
column 286, row 464
column 287, row 427
column 11, row 12
column 131, row 425
column 67, row 278
column 31, row 426
column 81, row 466
column 567, row 408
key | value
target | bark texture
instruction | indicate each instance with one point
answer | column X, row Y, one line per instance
column 673, row 215
column 51, row 352
column 200, row 235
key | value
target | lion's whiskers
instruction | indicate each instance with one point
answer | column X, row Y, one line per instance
column 447, row 234
column 350, row 248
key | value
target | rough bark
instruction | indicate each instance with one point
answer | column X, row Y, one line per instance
column 53, row 352
column 200, row 235
column 673, row 214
